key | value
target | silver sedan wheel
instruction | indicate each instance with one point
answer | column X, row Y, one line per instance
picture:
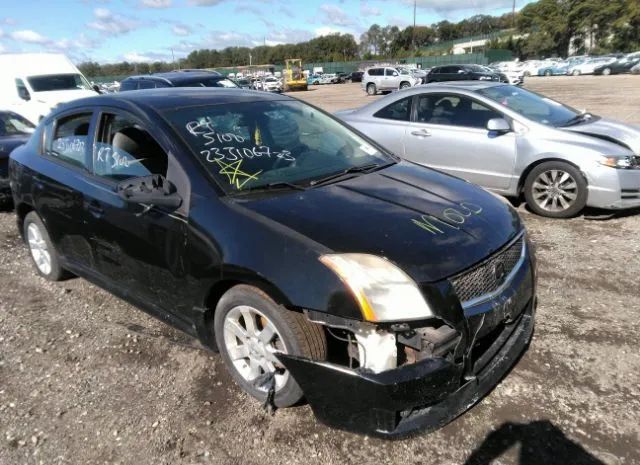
column 39, row 250
column 555, row 190
column 251, row 339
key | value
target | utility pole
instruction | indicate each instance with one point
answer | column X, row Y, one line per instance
column 413, row 37
column 513, row 15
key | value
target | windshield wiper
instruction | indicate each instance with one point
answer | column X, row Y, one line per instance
column 275, row 185
column 584, row 116
column 353, row 169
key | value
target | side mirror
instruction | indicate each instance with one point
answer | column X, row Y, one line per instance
column 498, row 125
column 151, row 190
column 97, row 88
column 395, row 73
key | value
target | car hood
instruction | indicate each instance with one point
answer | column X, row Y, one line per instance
column 612, row 131
column 430, row 224
column 54, row 97
column 7, row 144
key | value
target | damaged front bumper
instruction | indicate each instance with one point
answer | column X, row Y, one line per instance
column 418, row 397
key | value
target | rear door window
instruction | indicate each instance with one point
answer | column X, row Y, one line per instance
column 70, row 138
column 124, row 149
column 399, row 111
column 146, row 84
column 128, row 85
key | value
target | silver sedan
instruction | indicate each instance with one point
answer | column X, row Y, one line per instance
column 510, row 141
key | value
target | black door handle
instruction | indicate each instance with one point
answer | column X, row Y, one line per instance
column 95, row 209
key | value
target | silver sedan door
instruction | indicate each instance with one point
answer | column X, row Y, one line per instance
column 449, row 132
column 388, row 125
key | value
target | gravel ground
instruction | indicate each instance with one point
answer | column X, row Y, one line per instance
column 85, row 378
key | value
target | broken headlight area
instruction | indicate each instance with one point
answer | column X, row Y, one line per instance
column 366, row 347
column 394, row 378
column 424, row 391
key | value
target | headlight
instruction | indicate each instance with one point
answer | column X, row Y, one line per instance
column 623, row 163
column 383, row 291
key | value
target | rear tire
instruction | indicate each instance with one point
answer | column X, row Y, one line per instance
column 556, row 189
column 43, row 253
column 243, row 316
column 404, row 85
column 371, row 89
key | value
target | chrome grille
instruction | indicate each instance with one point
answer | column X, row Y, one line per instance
column 489, row 275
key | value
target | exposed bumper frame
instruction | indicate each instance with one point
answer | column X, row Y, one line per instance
column 419, row 397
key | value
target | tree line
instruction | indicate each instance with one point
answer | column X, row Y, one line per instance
column 540, row 29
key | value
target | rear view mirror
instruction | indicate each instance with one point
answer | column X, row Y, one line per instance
column 499, row 125
column 151, row 190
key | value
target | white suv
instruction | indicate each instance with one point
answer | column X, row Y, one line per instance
column 383, row 78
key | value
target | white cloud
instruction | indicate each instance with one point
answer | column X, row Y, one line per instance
column 8, row 21
column 156, row 3
column 2, row 48
column 181, row 29
column 333, row 14
column 204, row 2
column 449, row 6
column 137, row 57
column 325, row 31
column 111, row 24
column 368, row 10
column 29, row 36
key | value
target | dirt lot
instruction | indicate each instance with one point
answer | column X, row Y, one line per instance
column 87, row 379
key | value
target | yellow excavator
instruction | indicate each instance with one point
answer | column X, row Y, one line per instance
column 294, row 78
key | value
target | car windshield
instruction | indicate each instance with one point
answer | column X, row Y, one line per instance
column 260, row 144
column 14, row 125
column 210, row 82
column 531, row 105
column 52, row 82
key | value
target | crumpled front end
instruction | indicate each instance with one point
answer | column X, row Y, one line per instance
column 433, row 370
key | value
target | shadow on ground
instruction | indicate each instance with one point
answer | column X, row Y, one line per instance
column 540, row 442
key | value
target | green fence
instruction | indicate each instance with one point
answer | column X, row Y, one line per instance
column 484, row 58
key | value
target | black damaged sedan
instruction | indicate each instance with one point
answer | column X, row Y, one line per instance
column 390, row 296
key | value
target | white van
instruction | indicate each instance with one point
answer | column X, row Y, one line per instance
column 31, row 84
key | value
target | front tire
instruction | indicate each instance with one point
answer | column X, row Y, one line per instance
column 43, row 253
column 606, row 71
column 404, row 85
column 556, row 190
column 371, row 89
column 249, row 327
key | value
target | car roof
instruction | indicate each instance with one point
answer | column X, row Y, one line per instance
column 458, row 85
column 178, row 76
column 177, row 97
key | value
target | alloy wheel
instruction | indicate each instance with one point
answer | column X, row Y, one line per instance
column 555, row 190
column 606, row 71
column 251, row 341
column 39, row 250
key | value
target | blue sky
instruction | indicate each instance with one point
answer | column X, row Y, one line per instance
column 148, row 30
